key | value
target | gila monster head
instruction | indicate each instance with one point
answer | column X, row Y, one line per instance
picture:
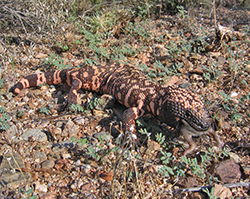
column 181, row 104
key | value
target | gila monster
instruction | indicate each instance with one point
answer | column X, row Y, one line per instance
column 173, row 106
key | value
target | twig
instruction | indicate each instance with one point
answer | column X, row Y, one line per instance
column 229, row 185
column 215, row 21
column 100, row 4
column 14, row 12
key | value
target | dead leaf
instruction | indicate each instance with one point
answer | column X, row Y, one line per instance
column 107, row 176
column 41, row 56
column 143, row 57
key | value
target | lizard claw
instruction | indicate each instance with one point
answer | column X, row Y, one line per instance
column 128, row 140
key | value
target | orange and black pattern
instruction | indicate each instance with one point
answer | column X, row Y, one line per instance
column 128, row 85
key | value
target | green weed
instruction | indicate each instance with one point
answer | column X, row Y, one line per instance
column 101, row 22
column 20, row 113
column 4, row 119
column 211, row 73
column 210, row 193
column 77, row 108
column 232, row 108
column 46, row 110
column 139, row 30
column 27, row 193
column 57, row 61
column 2, row 83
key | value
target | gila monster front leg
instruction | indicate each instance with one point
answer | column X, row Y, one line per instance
column 75, row 84
column 128, row 120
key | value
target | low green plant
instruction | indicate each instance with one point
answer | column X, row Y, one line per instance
column 93, row 103
column 28, row 194
column 211, row 73
column 97, row 151
column 210, row 193
column 56, row 60
column 76, row 108
column 167, row 170
column 20, row 113
column 46, row 110
column 2, row 82
column 101, row 22
column 232, row 108
column 196, row 165
column 64, row 47
column 139, row 30
column 4, row 119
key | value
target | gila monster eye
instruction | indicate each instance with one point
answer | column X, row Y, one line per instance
column 188, row 114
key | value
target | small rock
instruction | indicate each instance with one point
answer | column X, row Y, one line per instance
column 221, row 191
column 103, row 135
column 48, row 164
column 233, row 94
column 235, row 157
column 79, row 120
column 39, row 156
column 59, row 124
column 86, row 168
column 197, row 195
column 66, row 155
column 9, row 176
column 190, row 182
column 70, row 129
column 8, row 96
column 11, row 132
column 221, row 60
column 36, row 134
column 153, row 146
column 196, row 77
column 61, row 146
column 48, row 196
column 228, row 171
column 54, row 130
column 78, row 162
column 61, row 163
column 248, row 68
column 41, row 187
column 246, row 170
column 77, row 184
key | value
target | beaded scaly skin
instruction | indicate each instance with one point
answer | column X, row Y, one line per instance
column 173, row 106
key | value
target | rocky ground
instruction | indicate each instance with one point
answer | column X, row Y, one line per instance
column 51, row 152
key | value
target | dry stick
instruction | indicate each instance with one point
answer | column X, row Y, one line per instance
column 15, row 13
column 215, row 21
column 230, row 185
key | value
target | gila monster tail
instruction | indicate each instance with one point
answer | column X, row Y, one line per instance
column 52, row 77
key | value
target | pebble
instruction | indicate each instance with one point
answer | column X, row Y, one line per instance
column 9, row 176
column 79, row 120
column 78, row 162
column 248, row 68
column 36, row 134
column 86, row 168
column 39, row 156
column 48, row 164
column 104, row 135
column 41, row 187
column 66, row 155
column 11, row 132
column 70, row 129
